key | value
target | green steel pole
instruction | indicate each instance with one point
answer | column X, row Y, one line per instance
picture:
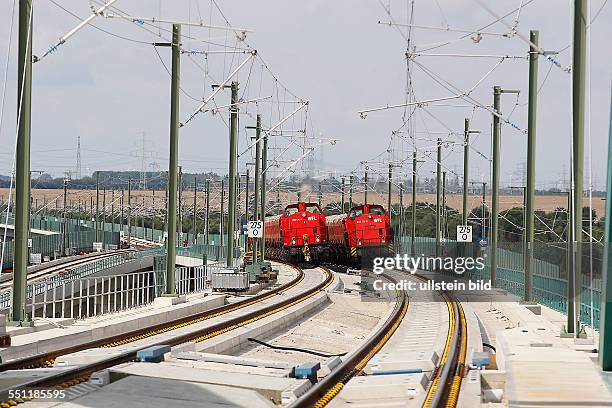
column 299, row 196
column 195, row 219
column 233, row 147
column 571, row 322
column 578, row 111
column 443, row 222
column 129, row 213
column 97, row 206
column 389, row 190
column 207, row 214
column 350, row 191
column 142, row 219
column 264, row 172
column 180, row 204
column 65, row 220
column 531, row 158
column 22, row 186
column 342, row 201
column 153, row 214
column 605, row 322
column 113, row 210
column 466, row 158
column 365, row 198
column 121, row 205
column 236, row 212
column 438, row 195
column 400, row 224
column 484, row 203
column 103, row 213
column 258, row 171
column 170, row 289
column 320, row 195
column 414, row 187
column 166, row 205
column 247, row 193
column 495, row 184
column 221, row 229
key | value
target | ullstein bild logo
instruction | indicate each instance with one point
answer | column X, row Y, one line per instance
column 410, row 264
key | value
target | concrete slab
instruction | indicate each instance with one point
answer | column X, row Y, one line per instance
column 471, row 390
column 384, row 387
column 228, row 369
column 541, row 369
column 13, row 378
column 220, row 358
column 165, row 301
column 40, row 325
column 141, row 392
column 90, row 356
column 396, row 361
column 188, row 261
column 555, row 383
column 232, row 341
column 269, row 387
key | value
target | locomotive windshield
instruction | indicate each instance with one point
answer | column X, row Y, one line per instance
column 313, row 209
column 290, row 211
column 356, row 212
column 377, row 211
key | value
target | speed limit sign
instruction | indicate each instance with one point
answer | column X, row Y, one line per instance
column 255, row 229
column 464, row 233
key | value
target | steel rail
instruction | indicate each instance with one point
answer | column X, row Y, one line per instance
column 47, row 359
column 446, row 382
column 325, row 390
column 79, row 374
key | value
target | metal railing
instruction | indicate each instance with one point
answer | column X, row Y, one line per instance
column 93, row 296
column 77, row 272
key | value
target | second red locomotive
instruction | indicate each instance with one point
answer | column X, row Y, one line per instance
column 363, row 233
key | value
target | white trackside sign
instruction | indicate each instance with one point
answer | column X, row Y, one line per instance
column 255, row 229
column 464, row 233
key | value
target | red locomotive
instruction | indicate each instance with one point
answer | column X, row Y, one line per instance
column 362, row 233
column 298, row 234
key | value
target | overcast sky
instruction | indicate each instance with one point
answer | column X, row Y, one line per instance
column 110, row 90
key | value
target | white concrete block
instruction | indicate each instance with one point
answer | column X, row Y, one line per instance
column 422, row 360
column 493, row 379
column 90, row 356
column 165, row 301
column 493, row 395
column 295, row 391
column 382, row 387
column 100, row 378
column 328, row 366
column 182, row 348
column 221, row 358
column 269, row 387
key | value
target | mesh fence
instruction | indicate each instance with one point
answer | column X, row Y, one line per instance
column 549, row 266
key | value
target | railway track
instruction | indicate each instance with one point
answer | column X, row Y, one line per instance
column 444, row 387
column 79, row 374
column 326, row 389
column 446, row 380
column 443, row 390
